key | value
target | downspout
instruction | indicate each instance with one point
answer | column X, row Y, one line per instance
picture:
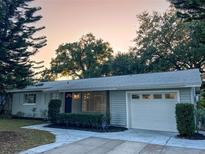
column 81, row 102
column 108, row 105
column 194, row 100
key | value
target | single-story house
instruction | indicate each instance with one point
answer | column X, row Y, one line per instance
column 142, row 101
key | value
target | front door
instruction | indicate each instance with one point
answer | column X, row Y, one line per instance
column 68, row 102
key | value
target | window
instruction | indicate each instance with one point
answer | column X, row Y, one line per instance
column 154, row 96
column 135, row 96
column 146, row 96
column 94, row 102
column 76, row 96
column 54, row 95
column 30, row 99
column 99, row 104
column 170, row 96
column 157, row 96
column 76, row 102
column 86, row 102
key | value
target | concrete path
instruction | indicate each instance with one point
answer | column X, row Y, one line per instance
column 66, row 136
column 94, row 145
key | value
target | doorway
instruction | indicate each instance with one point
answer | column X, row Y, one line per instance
column 68, row 102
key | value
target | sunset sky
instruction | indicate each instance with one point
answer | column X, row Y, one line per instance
column 112, row 20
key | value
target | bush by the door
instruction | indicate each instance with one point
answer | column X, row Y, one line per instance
column 53, row 109
column 185, row 119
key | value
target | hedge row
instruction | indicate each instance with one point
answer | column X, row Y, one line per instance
column 88, row 120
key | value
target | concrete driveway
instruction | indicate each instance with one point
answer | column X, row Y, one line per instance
column 93, row 145
column 150, row 139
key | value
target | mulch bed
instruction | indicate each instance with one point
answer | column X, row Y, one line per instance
column 196, row 136
column 8, row 140
column 109, row 129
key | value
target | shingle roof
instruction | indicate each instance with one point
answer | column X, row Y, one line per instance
column 175, row 79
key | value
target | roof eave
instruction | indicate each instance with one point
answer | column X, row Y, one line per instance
column 24, row 90
column 125, row 88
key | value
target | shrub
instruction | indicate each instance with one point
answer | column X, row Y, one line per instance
column 53, row 109
column 19, row 114
column 44, row 114
column 185, row 119
column 89, row 120
column 202, row 100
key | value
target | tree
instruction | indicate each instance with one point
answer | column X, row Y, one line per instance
column 165, row 43
column 127, row 63
column 18, row 42
column 202, row 99
column 85, row 58
column 190, row 9
column 47, row 75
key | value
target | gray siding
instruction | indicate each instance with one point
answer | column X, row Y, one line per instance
column 21, row 109
column 42, row 101
column 118, row 108
column 185, row 95
column 118, row 104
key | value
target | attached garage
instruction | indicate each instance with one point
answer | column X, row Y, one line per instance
column 140, row 101
column 153, row 110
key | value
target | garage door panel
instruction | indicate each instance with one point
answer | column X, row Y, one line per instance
column 153, row 115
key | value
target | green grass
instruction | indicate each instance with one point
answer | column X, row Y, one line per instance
column 13, row 124
column 14, row 139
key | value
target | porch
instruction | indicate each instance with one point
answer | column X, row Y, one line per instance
column 92, row 101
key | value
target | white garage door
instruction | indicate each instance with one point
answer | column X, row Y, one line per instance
column 153, row 110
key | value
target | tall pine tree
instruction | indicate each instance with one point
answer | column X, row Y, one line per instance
column 18, row 42
column 190, row 9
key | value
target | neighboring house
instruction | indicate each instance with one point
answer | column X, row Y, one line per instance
column 143, row 101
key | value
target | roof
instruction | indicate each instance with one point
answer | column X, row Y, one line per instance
column 174, row 79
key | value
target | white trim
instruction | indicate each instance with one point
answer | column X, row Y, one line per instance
column 62, row 110
column 127, row 110
column 157, row 91
column 178, row 96
column 106, row 89
column 194, row 95
column 25, row 103
column 151, row 91
column 191, row 86
column 140, row 92
column 29, row 104
column 45, row 95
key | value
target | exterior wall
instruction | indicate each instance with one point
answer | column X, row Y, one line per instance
column 117, row 101
column 118, row 104
column 118, row 108
column 185, row 95
column 62, row 98
column 26, row 110
column 19, row 108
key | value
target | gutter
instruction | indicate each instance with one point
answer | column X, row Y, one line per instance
column 140, row 87
column 122, row 88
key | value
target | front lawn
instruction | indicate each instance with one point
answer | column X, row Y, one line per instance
column 14, row 139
